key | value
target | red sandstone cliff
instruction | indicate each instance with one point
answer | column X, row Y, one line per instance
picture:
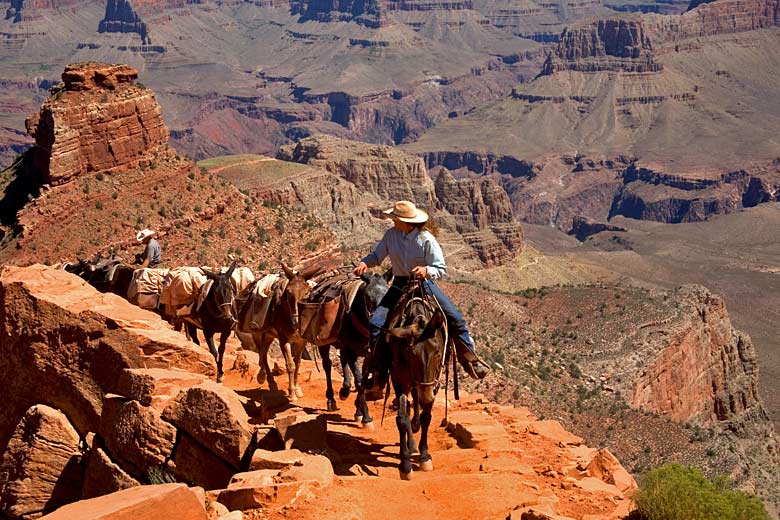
column 99, row 120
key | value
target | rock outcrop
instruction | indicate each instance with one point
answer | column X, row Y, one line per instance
column 389, row 173
column 616, row 45
column 363, row 12
column 121, row 17
column 41, row 466
column 100, row 120
column 479, row 210
column 705, row 370
column 482, row 214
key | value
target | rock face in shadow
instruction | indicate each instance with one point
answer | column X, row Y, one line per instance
column 121, row 17
column 41, row 466
column 99, row 121
column 364, row 12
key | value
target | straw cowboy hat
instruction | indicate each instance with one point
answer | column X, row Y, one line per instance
column 406, row 211
column 144, row 234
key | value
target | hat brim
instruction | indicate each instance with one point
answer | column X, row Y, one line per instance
column 141, row 236
column 419, row 217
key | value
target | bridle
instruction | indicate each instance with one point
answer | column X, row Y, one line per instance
column 429, row 301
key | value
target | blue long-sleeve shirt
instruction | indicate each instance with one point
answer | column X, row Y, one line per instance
column 407, row 251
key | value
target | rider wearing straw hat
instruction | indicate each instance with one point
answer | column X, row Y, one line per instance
column 152, row 252
column 415, row 253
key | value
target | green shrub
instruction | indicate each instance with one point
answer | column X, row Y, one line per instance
column 675, row 492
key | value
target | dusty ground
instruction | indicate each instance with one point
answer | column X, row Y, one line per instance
column 486, row 482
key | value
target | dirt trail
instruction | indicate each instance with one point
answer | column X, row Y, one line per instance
column 243, row 163
column 516, row 461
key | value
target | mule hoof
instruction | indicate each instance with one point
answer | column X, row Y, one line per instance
column 332, row 405
column 298, row 391
column 358, row 416
column 219, row 378
column 368, row 426
column 292, row 398
column 261, row 377
column 426, row 465
column 406, row 476
column 343, row 392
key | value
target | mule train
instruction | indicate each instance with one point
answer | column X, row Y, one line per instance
column 326, row 309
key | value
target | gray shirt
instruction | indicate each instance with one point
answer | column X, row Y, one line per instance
column 153, row 252
column 407, row 251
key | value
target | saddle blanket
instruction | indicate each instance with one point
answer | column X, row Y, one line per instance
column 146, row 281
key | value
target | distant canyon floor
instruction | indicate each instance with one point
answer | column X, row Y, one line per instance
column 736, row 256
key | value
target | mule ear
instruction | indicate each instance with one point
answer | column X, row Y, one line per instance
column 208, row 273
column 388, row 275
column 232, row 268
column 289, row 273
column 433, row 325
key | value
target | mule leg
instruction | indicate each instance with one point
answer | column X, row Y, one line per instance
column 209, row 334
column 416, row 416
column 298, row 347
column 262, row 344
column 347, row 383
column 248, row 343
column 192, row 332
column 223, row 337
column 288, row 361
column 404, row 431
column 426, row 463
column 327, row 365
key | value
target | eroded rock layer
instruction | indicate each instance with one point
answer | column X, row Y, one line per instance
column 101, row 120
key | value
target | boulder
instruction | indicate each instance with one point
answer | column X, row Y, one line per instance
column 265, row 459
column 155, row 386
column 136, row 435
column 138, row 503
column 553, row 431
column 59, row 333
column 102, row 475
column 197, row 464
column 303, row 431
column 275, row 494
column 476, row 429
column 606, row 467
column 41, row 467
column 214, row 416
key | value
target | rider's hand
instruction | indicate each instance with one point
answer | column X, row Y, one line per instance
column 420, row 271
column 360, row 269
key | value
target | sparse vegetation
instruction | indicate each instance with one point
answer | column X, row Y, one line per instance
column 676, row 492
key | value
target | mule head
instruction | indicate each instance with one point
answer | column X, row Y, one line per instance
column 221, row 293
column 297, row 290
column 375, row 289
column 424, row 342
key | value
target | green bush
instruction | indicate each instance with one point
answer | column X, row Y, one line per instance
column 675, row 492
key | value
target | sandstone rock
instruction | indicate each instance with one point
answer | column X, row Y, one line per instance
column 482, row 212
column 103, row 476
column 278, row 494
column 553, row 431
column 265, row 459
column 155, row 386
column 216, row 510
column 385, row 171
column 535, row 514
column 60, row 333
column 102, row 121
column 41, row 466
column 705, row 369
column 606, row 467
column 233, row 515
column 307, row 432
column 197, row 464
column 476, row 429
column 139, row 503
column 135, row 435
column 214, row 416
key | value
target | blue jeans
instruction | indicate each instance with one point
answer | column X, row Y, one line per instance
column 458, row 330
